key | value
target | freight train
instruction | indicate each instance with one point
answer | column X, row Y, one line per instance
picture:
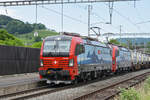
column 70, row 58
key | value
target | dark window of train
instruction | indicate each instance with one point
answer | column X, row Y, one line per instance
column 79, row 49
column 111, row 52
column 82, row 48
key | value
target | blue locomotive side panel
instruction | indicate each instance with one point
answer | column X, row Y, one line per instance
column 124, row 58
column 95, row 56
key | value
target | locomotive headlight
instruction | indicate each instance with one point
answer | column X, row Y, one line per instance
column 41, row 63
column 71, row 62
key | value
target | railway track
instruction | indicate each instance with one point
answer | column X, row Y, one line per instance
column 108, row 92
column 20, row 93
column 36, row 92
column 27, row 94
column 105, row 92
column 31, row 93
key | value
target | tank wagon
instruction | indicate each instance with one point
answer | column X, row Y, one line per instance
column 70, row 58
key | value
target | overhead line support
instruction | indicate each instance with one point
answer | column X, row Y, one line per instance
column 41, row 2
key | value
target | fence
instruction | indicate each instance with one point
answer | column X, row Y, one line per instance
column 17, row 60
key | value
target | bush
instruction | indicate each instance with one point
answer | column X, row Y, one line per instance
column 37, row 39
column 130, row 94
column 37, row 45
column 147, row 85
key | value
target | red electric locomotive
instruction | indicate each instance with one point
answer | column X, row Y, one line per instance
column 58, row 58
column 70, row 58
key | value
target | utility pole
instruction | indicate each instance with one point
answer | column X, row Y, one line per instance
column 135, row 41
column 62, row 17
column 144, row 47
column 120, row 33
column 111, row 6
column 36, row 15
column 36, row 18
column 89, row 13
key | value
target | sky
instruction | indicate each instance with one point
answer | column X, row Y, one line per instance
column 75, row 17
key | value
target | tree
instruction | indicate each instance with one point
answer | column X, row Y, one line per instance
column 37, row 39
column 38, row 26
column 148, row 46
column 130, row 45
column 114, row 41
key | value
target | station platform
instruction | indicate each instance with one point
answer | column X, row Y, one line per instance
column 18, row 82
column 16, row 79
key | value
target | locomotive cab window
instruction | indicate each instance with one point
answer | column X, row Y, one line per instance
column 79, row 49
column 53, row 48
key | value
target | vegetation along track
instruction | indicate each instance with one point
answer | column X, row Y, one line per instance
column 110, row 91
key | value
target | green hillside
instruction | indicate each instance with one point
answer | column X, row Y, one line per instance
column 9, row 39
column 29, row 38
column 18, row 33
column 15, row 26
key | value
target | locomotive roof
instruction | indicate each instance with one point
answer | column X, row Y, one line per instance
column 86, row 40
column 57, row 37
column 92, row 42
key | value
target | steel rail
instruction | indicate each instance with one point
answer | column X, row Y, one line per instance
column 22, row 92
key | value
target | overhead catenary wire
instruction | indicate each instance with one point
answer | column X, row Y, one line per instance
column 62, row 17
column 67, row 16
column 109, row 23
column 126, row 18
column 78, row 20
column 36, row 14
column 98, row 16
column 114, row 27
column 139, row 16
column 143, row 22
